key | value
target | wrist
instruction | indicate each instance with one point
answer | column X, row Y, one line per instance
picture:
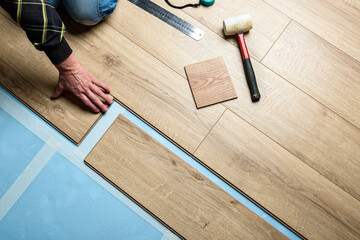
column 69, row 65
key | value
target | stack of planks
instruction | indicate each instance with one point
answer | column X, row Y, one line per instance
column 296, row 152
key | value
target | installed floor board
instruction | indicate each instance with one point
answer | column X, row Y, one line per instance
column 287, row 187
column 350, row 7
column 149, row 88
column 171, row 190
column 309, row 130
column 295, row 120
column 30, row 76
column 331, row 21
column 319, row 69
column 268, row 22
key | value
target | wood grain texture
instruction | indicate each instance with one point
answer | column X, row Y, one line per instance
column 210, row 82
column 268, row 21
column 319, row 69
column 30, row 77
column 305, row 127
column 293, row 191
column 163, row 184
column 150, row 88
column 329, row 19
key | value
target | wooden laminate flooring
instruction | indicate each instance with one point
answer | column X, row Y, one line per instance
column 30, row 77
column 300, row 196
column 278, row 115
column 337, row 22
column 171, row 190
column 296, row 152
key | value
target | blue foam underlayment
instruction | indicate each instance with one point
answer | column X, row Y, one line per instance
column 64, row 203
column 76, row 154
column 18, row 147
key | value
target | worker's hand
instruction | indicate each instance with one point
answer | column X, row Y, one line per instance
column 74, row 78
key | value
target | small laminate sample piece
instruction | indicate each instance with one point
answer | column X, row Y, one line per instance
column 210, row 82
column 172, row 191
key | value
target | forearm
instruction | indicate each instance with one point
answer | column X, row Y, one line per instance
column 42, row 25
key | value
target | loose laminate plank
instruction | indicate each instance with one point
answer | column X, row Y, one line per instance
column 170, row 189
column 319, row 69
column 305, row 127
column 331, row 21
column 30, row 77
column 287, row 187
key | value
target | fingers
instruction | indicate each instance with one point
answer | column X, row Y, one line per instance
column 101, row 94
column 95, row 100
column 58, row 91
column 86, row 87
column 101, row 84
column 88, row 103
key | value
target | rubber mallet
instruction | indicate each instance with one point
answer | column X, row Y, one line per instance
column 238, row 26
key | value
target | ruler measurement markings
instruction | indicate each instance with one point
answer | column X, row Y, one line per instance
column 169, row 18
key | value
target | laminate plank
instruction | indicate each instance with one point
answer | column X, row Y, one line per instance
column 318, row 68
column 305, row 127
column 30, row 77
column 268, row 22
column 148, row 87
column 287, row 187
column 210, row 82
column 350, row 7
column 170, row 189
column 331, row 21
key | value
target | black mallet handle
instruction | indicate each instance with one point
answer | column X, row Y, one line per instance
column 249, row 72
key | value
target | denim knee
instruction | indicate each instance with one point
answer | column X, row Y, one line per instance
column 55, row 3
column 89, row 12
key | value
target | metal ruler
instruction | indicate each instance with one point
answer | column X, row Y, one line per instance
column 170, row 18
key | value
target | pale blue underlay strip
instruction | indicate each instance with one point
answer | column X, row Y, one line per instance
column 26, row 177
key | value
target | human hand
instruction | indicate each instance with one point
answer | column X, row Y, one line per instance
column 73, row 77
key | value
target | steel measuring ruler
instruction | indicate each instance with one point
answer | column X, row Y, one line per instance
column 166, row 16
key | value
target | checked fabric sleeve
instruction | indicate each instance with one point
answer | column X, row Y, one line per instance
column 42, row 25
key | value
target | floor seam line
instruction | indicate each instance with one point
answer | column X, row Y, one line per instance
column 314, row 33
column 313, row 98
column 209, row 131
column 287, row 25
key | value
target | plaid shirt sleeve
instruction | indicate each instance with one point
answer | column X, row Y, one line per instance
column 42, row 25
